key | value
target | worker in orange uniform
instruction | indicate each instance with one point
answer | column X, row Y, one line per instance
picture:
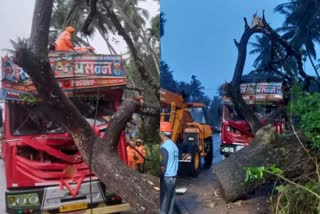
column 131, row 152
column 141, row 154
column 64, row 41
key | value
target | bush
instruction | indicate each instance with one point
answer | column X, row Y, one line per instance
column 292, row 199
column 306, row 106
column 152, row 166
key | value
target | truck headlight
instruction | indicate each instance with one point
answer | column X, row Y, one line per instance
column 34, row 199
column 24, row 200
column 21, row 200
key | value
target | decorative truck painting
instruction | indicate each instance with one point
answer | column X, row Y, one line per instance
column 263, row 99
column 44, row 170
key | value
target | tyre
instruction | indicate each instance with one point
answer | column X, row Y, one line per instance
column 209, row 157
column 195, row 163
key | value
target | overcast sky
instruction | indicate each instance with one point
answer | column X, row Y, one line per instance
column 16, row 18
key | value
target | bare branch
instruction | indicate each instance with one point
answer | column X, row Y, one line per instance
column 236, row 43
column 138, row 61
column 91, row 15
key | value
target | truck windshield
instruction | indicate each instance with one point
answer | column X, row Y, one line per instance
column 198, row 114
column 231, row 114
column 30, row 119
column 261, row 111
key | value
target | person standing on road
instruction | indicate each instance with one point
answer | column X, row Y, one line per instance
column 131, row 155
column 141, row 154
column 169, row 167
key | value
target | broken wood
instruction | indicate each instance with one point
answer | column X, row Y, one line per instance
column 265, row 150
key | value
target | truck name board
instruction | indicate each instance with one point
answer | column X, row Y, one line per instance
column 272, row 88
column 260, row 92
column 73, row 71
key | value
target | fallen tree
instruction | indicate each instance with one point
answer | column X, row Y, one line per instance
column 266, row 149
column 141, row 191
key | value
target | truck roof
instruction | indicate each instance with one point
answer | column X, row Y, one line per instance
column 73, row 71
column 261, row 75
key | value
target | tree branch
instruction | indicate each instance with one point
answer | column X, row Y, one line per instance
column 91, row 15
column 138, row 61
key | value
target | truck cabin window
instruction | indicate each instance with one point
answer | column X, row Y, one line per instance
column 30, row 119
column 198, row 115
column 95, row 113
column 231, row 113
column 261, row 111
column 27, row 119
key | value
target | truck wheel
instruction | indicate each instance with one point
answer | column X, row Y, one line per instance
column 209, row 157
column 195, row 163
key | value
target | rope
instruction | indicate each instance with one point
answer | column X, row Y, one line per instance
column 91, row 146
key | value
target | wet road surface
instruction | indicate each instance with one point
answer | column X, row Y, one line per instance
column 202, row 194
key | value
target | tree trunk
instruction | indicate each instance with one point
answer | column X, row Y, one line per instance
column 137, row 189
column 265, row 150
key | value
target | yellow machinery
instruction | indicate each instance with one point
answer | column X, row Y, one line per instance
column 192, row 135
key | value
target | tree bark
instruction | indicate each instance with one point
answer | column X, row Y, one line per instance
column 265, row 150
column 137, row 189
column 39, row 42
column 137, row 59
column 233, row 88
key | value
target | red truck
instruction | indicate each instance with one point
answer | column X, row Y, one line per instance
column 44, row 170
column 263, row 94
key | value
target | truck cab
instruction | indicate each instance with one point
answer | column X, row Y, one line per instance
column 264, row 94
column 44, row 169
column 190, row 131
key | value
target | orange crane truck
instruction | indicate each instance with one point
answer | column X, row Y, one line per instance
column 192, row 135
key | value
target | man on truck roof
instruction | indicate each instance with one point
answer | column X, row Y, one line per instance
column 64, row 41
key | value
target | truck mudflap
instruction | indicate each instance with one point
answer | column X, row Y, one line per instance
column 54, row 199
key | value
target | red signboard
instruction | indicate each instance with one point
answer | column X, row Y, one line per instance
column 73, row 71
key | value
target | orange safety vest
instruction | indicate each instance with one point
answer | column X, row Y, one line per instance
column 130, row 153
column 142, row 151
column 64, row 42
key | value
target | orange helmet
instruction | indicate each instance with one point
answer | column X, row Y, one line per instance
column 70, row 29
column 165, row 127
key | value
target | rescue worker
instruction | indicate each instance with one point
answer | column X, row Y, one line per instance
column 131, row 155
column 64, row 41
column 141, row 154
column 169, row 167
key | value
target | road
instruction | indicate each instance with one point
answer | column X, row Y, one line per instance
column 202, row 194
column 2, row 187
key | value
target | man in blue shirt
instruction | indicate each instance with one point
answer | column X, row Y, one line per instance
column 169, row 167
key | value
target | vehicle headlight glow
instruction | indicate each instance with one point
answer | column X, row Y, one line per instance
column 34, row 199
column 21, row 200
column 24, row 200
